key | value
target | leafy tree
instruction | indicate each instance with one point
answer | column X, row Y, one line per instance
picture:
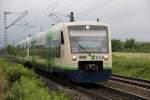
column 117, row 45
column 130, row 45
column 143, row 47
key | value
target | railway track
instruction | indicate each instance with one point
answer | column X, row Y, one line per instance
column 131, row 81
column 94, row 91
column 102, row 92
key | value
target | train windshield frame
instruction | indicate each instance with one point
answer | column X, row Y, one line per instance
column 88, row 39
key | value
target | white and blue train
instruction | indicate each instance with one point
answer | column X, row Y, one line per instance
column 79, row 51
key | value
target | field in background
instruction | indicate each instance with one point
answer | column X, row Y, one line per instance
column 133, row 55
column 132, row 64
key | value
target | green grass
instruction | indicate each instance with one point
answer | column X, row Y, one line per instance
column 3, row 86
column 133, row 55
column 132, row 64
column 25, row 85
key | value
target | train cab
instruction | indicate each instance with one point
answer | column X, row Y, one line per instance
column 86, row 51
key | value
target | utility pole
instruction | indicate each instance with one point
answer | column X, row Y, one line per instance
column 29, row 43
column 23, row 14
column 5, row 30
column 13, row 43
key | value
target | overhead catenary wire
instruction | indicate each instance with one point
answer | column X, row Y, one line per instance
column 51, row 7
column 57, row 17
column 18, row 19
column 43, row 11
column 40, row 15
column 53, row 18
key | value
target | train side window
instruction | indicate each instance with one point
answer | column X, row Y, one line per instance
column 62, row 37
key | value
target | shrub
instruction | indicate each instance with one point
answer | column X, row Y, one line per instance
column 24, row 84
column 27, row 89
column 13, row 72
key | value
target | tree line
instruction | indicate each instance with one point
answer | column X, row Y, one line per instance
column 130, row 45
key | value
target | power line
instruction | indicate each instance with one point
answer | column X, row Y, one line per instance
column 53, row 18
column 23, row 14
column 18, row 19
column 51, row 6
column 57, row 17
column 43, row 11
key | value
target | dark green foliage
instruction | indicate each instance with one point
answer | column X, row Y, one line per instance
column 14, row 73
column 130, row 45
column 143, row 47
column 24, row 84
column 11, row 50
column 14, row 76
column 16, row 51
column 116, row 45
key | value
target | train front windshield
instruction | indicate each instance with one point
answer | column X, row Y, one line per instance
column 91, row 39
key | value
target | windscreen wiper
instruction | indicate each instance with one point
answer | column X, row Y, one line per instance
column 82, row 48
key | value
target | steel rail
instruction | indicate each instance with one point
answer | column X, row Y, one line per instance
column 131, row 81
column 125, row 94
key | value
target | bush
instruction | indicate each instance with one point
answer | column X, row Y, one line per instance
column 24, row 84
column 27, row 89
column 13, row 72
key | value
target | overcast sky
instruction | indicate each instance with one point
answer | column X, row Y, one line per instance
column 126, row 18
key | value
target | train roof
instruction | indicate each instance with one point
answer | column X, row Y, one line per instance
column 57, row 26
column 83, row 23
column 24, row 41
column 39, row 34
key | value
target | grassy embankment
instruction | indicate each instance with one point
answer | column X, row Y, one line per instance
column 19, row 83
column 3, row 86
column 132, row 64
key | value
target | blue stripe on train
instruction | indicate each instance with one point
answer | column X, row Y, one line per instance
column 78, row 76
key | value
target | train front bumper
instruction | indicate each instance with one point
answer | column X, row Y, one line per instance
column 89, row 77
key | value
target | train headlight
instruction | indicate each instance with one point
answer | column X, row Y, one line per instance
column 87, row 27
column 105, row 57
column 74, row 58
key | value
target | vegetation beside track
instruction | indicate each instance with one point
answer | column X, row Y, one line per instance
column 19, row 83
column 132, row 64
column 3, row 85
